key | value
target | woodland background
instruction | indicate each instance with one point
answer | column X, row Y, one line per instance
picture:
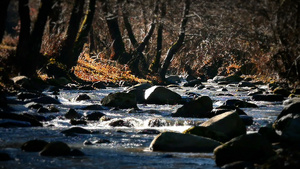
column 124, row 37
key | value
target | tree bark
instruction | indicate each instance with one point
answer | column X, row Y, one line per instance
column 3, row 14
column 176, row 46
column 66, row 56
column 129, row 28
column 118, row 47
column 34, row 58
column 155, row 64
column 83, row 33
column 24, row 35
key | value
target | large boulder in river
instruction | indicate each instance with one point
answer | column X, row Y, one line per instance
column 56, row 149
column 288, row 122
column 139, row 91
column 200, row 107
column 34, row 145
column 161, row 95
column 206, row 132
column 228, row 125
column 19, row 117
column 251, row 147
column 120, row 100
column 178, row 142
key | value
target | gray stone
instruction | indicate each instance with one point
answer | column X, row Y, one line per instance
column 120, row 100
column 161, row 95
column 178, row 142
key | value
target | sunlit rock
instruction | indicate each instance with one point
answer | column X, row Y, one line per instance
column 120, row 100
column 228, row 124
column 161, row 95
column 178, row 142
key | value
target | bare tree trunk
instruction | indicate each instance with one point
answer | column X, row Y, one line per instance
column 24, row 36
column 138, row 56
column 83, row 33
column 155, row 64
column 176, row 46
column 3, row 14
column 34, row 58
column 128, row 27
column 74, row 25
column 118, row 48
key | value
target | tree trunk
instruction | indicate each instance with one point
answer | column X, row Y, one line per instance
column 3, row 14
column 34, row 58
column 118, row 47
column 66, row 56
column 155, row 64
column 24, row 36
column 129, row 29
column 83, row 33
column 176, row 46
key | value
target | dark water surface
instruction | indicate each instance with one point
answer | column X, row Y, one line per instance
column 127, row 148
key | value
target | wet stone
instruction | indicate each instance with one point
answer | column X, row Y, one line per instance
column 34, row 145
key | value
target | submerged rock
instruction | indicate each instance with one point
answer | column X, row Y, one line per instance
column 77, row 130
column 94, row 116
column 178, row 142
column 120, row 100
column 56, row 149
column 251, row 147
column 267, row 97
column 227, row 124
column 72, row 114
column 82, row 97
column 161, row 95
column 4, row 156
column 20, row 117
column 34, row 145
column 200, row 107
column 239, row 103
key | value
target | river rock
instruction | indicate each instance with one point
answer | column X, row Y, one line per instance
column 76, row 152
column 193, row 83
column 72, row 114
column 33, row 105
column 161, row 95
column 120, row 123
column 82, row 97
column 200, row 107
column 99, row 85
column 269, row 133
column 139, row 91
column 178, row 142
column 205, row 132
column 288, row 128
column 27, row 95
column 4, row 156
column 56, row 149
column 174, row 79
column 157, row 122
column 77, row 130
column 45, row 100
column 94, row 116
column 239, row 165
column 228, row 124
column 223, row 108
column 292, row 108
column 251, row 147
column 282, row 91
column 34, row 145
column 246, row 84
column 239, row 103
column 267, row 97
column 93, row 107
column 78, row 122
column 20, row 117
column 120, row 100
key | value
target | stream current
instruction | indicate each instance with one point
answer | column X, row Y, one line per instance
column 126, row 146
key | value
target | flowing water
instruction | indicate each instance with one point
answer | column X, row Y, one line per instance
column 127, row 148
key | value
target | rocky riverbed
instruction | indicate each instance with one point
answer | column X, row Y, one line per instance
column 221, row 122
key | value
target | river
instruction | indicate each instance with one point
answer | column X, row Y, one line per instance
column 126, row 146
